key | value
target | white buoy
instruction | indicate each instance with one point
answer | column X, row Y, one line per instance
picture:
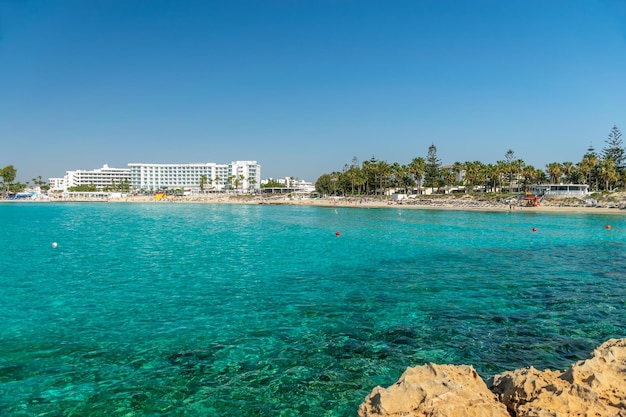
column 54, row 245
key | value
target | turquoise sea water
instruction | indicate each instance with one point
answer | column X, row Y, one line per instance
column 246, row 310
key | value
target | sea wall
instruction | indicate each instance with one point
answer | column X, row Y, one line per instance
column 592, row 387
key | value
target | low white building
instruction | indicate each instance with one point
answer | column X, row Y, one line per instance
column 290, row 184
column 560, row 190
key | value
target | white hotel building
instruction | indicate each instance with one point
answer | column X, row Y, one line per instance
column 153, row 177
column 102, row 178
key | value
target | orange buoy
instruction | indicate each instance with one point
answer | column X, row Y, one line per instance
column 337, row 234
column 607, row 227
column 534, row 229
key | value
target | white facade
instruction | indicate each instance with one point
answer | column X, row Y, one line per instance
column 101, row 178
column 292, row 183
column 238, row 175
column 57, row 184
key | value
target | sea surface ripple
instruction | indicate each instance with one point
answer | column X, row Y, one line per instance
column 163, row 309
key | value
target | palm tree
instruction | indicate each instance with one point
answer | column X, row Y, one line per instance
column 384, row 176
column 449, row 177
column 351, row 175
column 608, row 172
column 398, row 174
column 555, row 172
column 502, row 170
column 251, row 183
column 242, row 180
column 334, row 178
column 203, row 181
column 516, row 168
column 417, row 168
column 588, row 165
column 458, row 168
column 529, row 175
column 568, row 170
column 475, row 174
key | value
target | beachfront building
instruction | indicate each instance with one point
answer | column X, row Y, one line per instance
column 244, row 176
column 288, row 185
column 101, row 178
column 560, row 190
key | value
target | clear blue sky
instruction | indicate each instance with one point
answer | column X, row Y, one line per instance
column 303, row 86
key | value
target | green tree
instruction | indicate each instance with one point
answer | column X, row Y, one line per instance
column 352, row 173
column 475, row 175
column 608, row 173
column 555, row 172
column 568, row 171
column 8, row 174
column 251, row 183
column 497, row 173
column 448, row 177
column 370, row 170
column 432, row 174
column 83, row 188
column 509, row 166
column 417, row 168
column 238, row 181
column 614, row 148
column 203, row 182
column 384, row 172
column 588, row 167
column 529, row 175
column 323, row 185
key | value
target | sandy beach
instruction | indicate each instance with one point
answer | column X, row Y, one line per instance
column 614, row 204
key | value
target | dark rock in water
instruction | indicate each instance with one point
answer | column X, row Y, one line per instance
column 12, row 372
column 192, row 361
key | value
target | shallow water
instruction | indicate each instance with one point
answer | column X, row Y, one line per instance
column 225, row 310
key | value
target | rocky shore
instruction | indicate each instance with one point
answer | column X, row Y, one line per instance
column 592, row 387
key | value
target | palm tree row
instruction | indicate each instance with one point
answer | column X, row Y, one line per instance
column 373, row 177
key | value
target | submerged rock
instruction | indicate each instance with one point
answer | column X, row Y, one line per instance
column 593, row 387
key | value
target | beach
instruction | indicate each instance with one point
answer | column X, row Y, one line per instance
column 615, row 204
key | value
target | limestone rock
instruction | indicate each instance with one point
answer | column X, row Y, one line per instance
column 604, row 373
column 434, row 391
column 595, row 387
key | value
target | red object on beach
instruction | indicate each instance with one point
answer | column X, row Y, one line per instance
column 534, row 229
column 337, row 234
